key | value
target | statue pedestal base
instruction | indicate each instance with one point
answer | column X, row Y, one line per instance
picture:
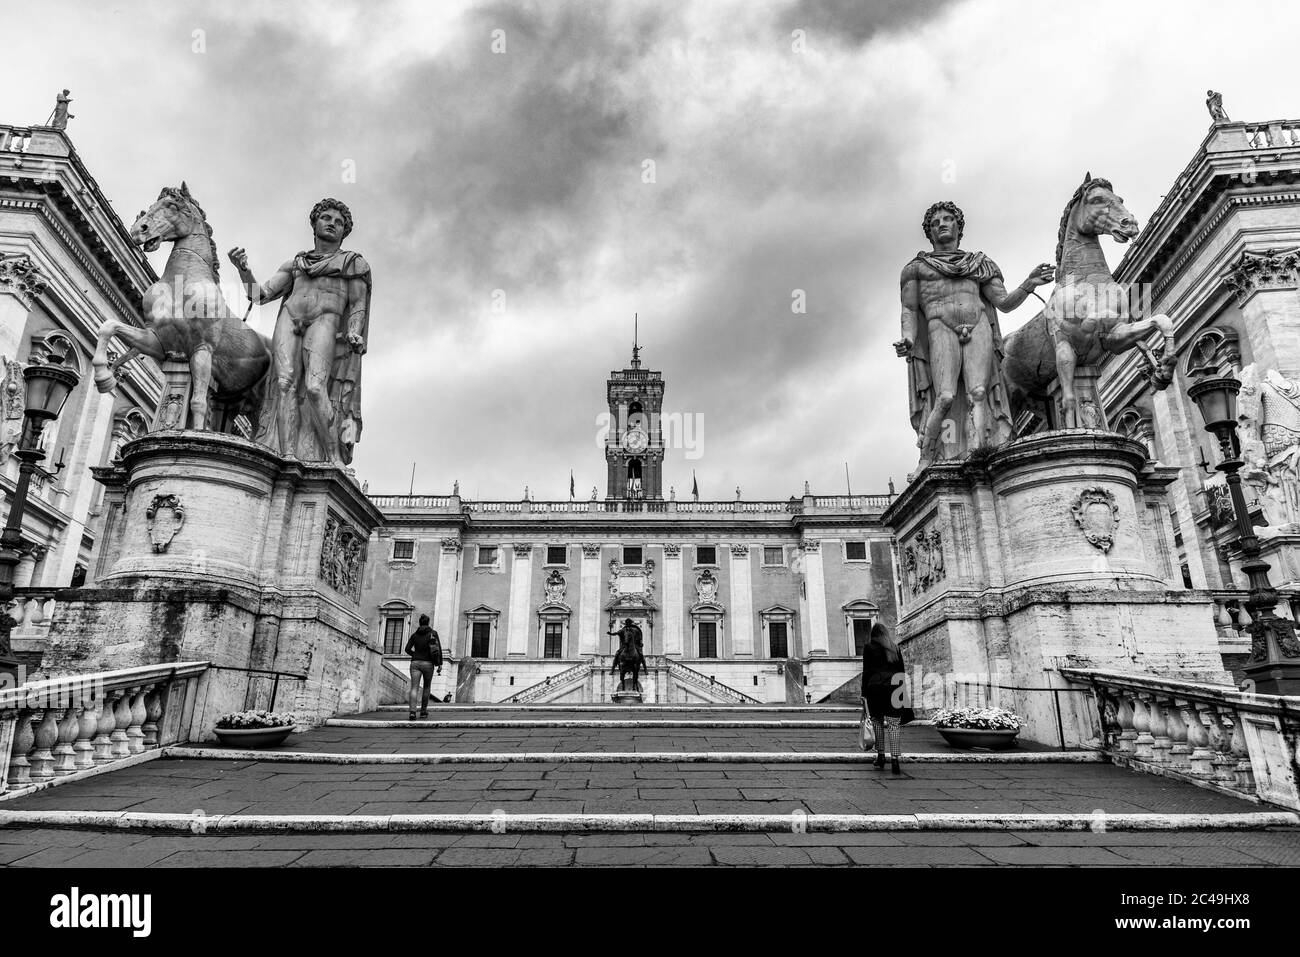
column 627, row 697
column 1051, row 551
column 216, row 549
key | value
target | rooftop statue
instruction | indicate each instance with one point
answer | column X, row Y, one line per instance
column 1089, row 315
column 952, row 342
column 1214, row 103
column 313, row 406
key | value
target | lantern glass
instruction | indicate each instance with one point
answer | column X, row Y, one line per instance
column 1217, row 400
column 48, row 388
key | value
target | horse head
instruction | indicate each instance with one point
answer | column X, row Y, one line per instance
column 1095, row 210
column 174, row 215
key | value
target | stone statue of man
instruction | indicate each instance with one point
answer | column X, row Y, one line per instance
column 313, row 408
column 1214, row 103
column 952, row 341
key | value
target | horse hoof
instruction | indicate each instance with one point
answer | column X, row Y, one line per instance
column 105, row 381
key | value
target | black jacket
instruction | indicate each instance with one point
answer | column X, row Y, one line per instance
column 424, row 645
column 879, row 683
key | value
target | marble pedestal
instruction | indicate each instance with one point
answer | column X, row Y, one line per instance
column 628, row 697
column 217, row 549
column 1052, row 551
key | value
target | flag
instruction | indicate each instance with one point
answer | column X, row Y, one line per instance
column 571, row 492
column 695, row 486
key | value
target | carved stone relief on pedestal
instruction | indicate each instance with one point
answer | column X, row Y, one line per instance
column 342, row 557
column 164, row 518
column 1096, row 513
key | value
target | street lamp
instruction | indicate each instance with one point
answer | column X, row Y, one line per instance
column 1274, row 666
column 47, row 387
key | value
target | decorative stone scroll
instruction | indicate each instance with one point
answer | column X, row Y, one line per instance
column 165, row 516
column 523, row 549
column 739, row 551
column 591, row 549
column 923, row 565
column 452, row 545
column 1096, row 513
column 672, row 550
column 1266, row 269
column 342, row 557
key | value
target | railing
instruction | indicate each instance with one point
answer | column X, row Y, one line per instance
column 853, row 502
column 1231, row 616
column 411, row 501
column 552, row 684
column 53, row 728
column 704, row 682
column 33, row 609
column 1272, row 135
column 1214, row 735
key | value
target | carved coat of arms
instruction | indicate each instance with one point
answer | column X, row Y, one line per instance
column 1096, row 513
column 164, row 518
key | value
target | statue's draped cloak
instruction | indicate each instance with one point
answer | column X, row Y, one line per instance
column 345, row 371
column 980, row 269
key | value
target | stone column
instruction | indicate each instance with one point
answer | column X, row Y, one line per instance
column 521, row 577
column 672, row 603
column 446, row 598
column 1177, row 433
column 93, row 433
column 742, row 604
column 21, row 282
column 815, row 628
column 589, row 600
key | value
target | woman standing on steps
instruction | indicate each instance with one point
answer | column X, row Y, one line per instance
column 885, row 693
column 426, row 654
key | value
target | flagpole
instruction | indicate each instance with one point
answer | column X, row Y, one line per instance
column 411, row 491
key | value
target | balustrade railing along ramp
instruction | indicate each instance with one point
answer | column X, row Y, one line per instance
column 122, row 765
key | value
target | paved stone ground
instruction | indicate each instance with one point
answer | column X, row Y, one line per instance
column 253, row 787
column 51, row 847
column 185, row 785
column 427, row 740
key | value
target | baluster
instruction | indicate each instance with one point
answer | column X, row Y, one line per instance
column 1203, row 758
column 42, row 758
column 1160, row 740
column 1224, row 762
column 1243, row 771
column 1197, row 740
column 1179, row 751
column 20, row 774
column 153, row 709
column 65, row 759
column 1124, row 715
column 1142, row 744
column 135, row 730
column 121, row 721
column 104, row 730
column 86, row 726
column 1221, row 616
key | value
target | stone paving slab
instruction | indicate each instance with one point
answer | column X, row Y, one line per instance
column 37, row 847
column 429, row 740
column 270, row 788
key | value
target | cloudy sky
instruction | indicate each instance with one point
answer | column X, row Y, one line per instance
column 502, row 198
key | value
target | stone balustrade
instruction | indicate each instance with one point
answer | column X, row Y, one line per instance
column 1215, row 735
column 33, row 609
column 809, row 503
column 59, row 726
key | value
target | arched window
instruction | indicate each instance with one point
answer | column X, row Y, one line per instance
column 394, row 624
column 859, row 616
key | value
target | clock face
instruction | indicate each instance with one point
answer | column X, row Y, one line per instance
column 635, row 440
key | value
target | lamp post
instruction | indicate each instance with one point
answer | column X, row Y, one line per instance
column 1274, row 666
column 48, row 386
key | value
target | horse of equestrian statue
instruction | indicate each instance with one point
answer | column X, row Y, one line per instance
column 188, row 318
column 629, row 657
column 1088, row 314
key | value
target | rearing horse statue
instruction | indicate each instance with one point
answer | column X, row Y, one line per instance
column 187, row 318
column 1089, row 314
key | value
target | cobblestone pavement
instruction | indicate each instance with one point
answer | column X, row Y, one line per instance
column 51, row 847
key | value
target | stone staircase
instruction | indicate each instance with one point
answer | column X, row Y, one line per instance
column 677, row 784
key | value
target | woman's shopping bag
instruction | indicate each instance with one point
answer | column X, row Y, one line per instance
column 866, row 733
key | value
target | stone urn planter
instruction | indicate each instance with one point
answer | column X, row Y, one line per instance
column 993, row 740
column 254, row 729
column 990, row 728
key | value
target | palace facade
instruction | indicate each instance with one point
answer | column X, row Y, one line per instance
column 66, row 266
column 737, row 600
column 1221, row 257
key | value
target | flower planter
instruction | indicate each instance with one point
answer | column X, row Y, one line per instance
column 991, row 739
column 254, row 737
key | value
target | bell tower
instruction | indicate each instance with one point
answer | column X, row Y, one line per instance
column 634, row 447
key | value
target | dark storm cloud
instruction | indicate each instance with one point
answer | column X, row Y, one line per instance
column 858, row 21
